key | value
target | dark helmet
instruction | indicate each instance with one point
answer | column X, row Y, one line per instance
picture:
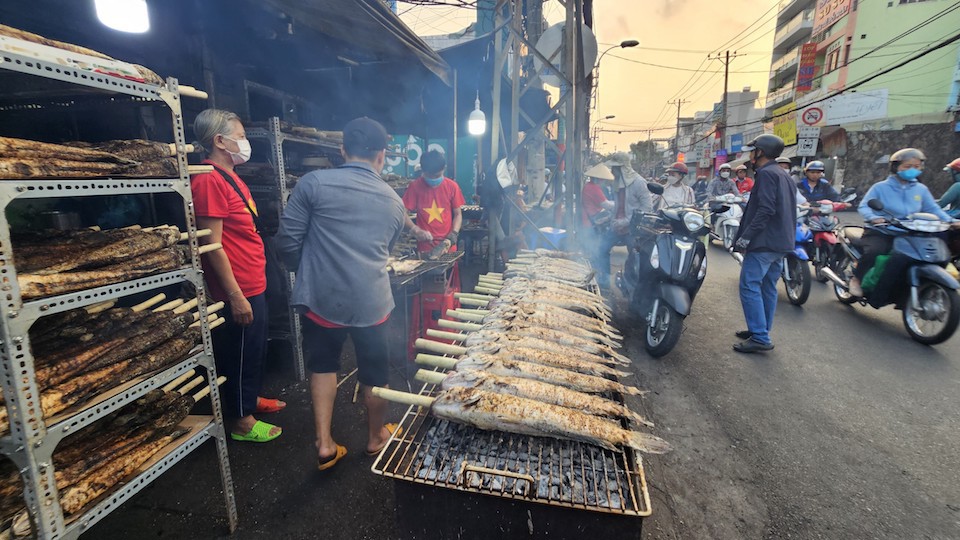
column 678, row 167
column 815, row 166
column 770, row 145
column 953, row 166
column 904, row 154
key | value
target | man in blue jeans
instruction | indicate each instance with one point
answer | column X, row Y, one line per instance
column 766, row 233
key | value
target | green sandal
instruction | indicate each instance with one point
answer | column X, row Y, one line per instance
column 259, row 433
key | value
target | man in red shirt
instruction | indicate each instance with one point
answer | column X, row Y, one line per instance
column 437, row 200
column 744, row 183
column 596, row 217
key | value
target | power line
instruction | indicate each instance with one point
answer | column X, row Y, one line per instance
column 678, row 68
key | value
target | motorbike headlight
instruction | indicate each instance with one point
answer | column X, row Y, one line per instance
column 693, row 222
column 655, row 257
column 702, row 273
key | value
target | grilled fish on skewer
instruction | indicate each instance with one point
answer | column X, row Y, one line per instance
column 531, row 389
column 503, row 412
column 549, row 340
column 491, row 363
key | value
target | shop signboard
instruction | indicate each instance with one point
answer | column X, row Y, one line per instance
column 857, row 107
column 736, row 142
column 785, row 123
column 829, row 12
column 807, row 67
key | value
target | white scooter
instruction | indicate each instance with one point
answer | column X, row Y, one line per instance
column 723, row 212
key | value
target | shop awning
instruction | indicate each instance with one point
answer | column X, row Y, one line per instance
column 368, row 23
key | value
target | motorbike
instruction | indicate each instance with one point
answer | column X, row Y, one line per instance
column 795, row 271
column 918, row 284
column 822, row 246
column 724, row 212
column 664, row 271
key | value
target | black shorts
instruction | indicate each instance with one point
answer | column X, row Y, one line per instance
column 324, row 346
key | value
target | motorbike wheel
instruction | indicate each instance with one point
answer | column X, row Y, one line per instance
column 664, row 334
column 843, row 268
column 936, row 316
column 798, row 287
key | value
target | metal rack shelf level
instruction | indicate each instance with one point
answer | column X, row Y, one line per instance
column 31, row 443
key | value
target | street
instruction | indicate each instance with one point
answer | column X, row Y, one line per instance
column 848, row 429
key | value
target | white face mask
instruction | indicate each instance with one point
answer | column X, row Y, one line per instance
column 725, row 174
column 673, row 179
column 243, row 155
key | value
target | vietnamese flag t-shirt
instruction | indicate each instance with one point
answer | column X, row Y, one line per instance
column 434, row 207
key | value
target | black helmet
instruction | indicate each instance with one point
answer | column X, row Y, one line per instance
column 770, row 145
column 904, row 154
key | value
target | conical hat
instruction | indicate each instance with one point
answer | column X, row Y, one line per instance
column 600, row 171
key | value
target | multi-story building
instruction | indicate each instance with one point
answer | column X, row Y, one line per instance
column 794, row 25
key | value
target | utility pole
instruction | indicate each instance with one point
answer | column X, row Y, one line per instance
column 676, row 140
column 726, row 59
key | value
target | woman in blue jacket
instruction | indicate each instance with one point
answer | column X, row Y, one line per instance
column 901, row 194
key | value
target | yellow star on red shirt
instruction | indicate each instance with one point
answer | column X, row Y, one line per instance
column 435, row 213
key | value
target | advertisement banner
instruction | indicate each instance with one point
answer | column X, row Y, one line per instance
column 785, row 123
column 857, row 107
column 807, row 67
column 829, row 12
column 736, row 142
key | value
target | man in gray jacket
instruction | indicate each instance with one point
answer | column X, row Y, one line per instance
column 631, row 194
column 337, row 231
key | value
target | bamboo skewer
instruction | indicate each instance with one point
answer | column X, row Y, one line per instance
column 464, row 316
column 148, row 303
column 217, row 323
column 444, row 362
column 190, row 386
column 200, row 234
column 178, row 381
column 451, row 336
column 473, row 296
column 206, row 389
column 199, row 169
column 215, row 307
column 493, row 291
column 102, row 306
column 437, row 347
column 176, row 303
column 189, row 91
column 210, row 318
column 209, row 247
column 429, row 377
column 474, row 302
column 457, row 325
column 402, row 397
column 186, row 306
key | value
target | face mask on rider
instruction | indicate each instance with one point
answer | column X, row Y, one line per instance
column 725, row 174
column 243, row 155
column 433, row 182
column 910, row 175
column 673, row 178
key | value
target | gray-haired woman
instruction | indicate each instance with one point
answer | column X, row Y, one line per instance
column 236, row 274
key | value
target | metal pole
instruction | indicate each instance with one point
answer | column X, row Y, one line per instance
column 570, row 50
column 456, row 120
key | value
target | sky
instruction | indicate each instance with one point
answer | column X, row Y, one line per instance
column 637, row 94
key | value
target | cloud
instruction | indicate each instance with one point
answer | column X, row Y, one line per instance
column 670, row 8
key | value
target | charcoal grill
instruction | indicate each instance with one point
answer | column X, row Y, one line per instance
column 436, row 452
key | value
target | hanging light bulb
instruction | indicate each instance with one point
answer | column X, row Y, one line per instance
column 477, row 122
column 124, row 15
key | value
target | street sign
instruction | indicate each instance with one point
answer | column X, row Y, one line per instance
column 808, row 132
column 807, row 147
column 812, row 116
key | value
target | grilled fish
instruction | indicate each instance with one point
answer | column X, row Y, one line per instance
column 502, row 412
column 541, row 391
column 543, row 339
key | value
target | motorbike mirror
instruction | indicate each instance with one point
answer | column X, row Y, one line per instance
column 875, row 204
column 849, row 198
column 654, row 188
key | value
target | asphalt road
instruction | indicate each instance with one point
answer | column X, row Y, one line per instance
column 848, row 429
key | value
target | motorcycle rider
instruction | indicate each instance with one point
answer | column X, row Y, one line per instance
column 814, row 187
column 632, row 195
column 784, row 163
column 700, row 190
column 744, row 182
column 722, row 184
column 766, row 233
column 951, row 198
column 675, row 193
column 901, row 194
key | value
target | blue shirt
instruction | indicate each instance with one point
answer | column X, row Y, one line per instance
column 337, row 231
column 900, row 200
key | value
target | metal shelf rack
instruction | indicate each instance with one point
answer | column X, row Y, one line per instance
column 277, row 138
column 32, row 439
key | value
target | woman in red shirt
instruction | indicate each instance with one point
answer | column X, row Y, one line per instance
column 744, row 182
column 236, row 274
column 596, row 215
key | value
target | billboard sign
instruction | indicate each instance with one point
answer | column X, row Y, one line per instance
column 829, row 12
column 736, row 142
column 807, row 67
column 785, row 123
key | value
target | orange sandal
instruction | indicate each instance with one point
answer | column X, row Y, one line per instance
column 395, row 430
column 269, row 405
column 325, row 463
